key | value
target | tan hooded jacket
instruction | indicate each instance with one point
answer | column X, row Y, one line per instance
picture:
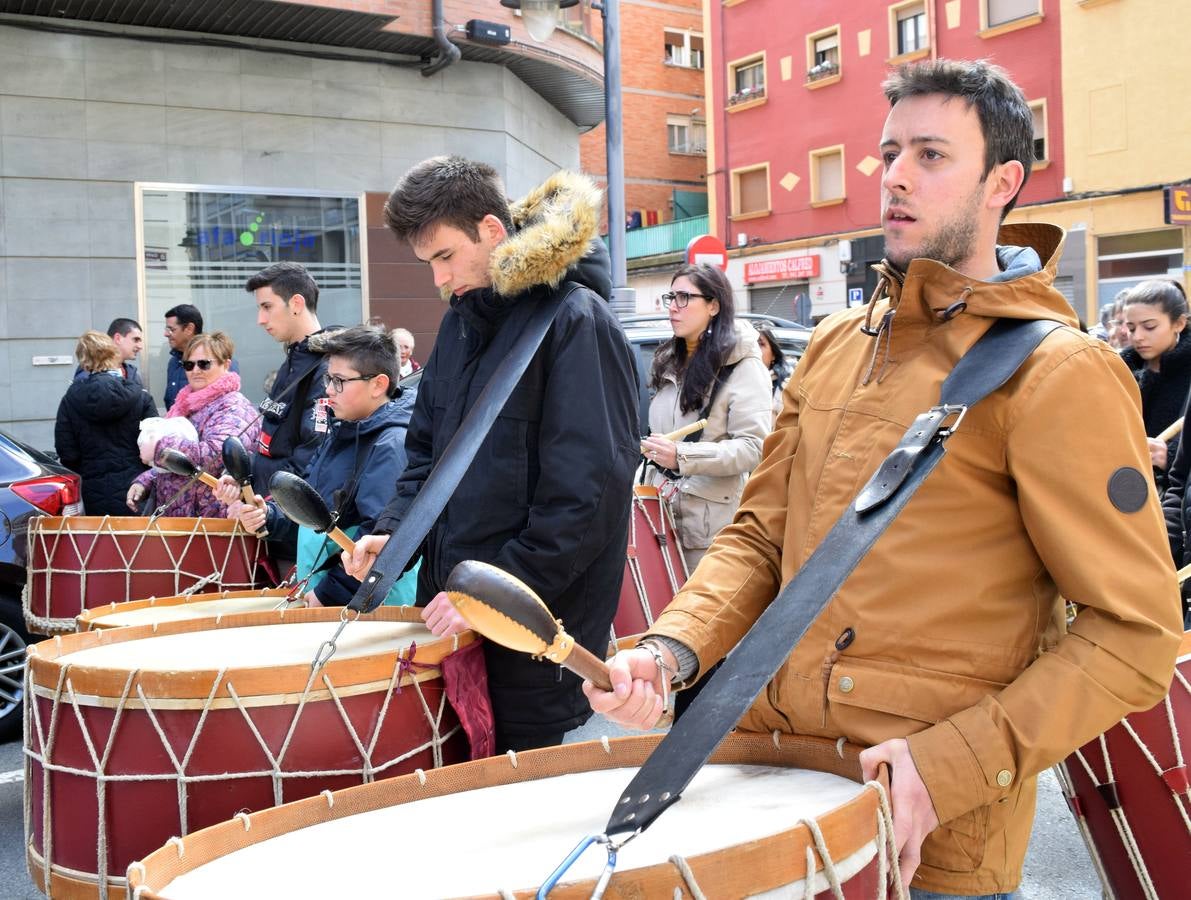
column 947, row 626
column 715, row 468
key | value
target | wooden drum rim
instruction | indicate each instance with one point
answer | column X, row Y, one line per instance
column 90, row 619
column 166, row 525
column 774, row 860
column 46, row 673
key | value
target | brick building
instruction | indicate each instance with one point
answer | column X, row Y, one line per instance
column 662, row 75
column 140, row 143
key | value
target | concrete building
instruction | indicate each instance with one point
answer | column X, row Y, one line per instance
column 155, row 154
column 662, row 77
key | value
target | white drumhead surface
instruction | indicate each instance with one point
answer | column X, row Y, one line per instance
column 255, row 646
column 198, row 609
column 511, row 836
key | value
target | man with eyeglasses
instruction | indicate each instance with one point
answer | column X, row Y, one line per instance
column 182, row 323
column 355, row 469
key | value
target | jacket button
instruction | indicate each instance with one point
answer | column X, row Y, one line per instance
column 846, row 684
column 1004, row 778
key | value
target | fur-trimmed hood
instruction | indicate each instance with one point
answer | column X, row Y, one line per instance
column 555, row 236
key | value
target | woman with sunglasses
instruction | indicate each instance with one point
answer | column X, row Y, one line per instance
column 213, row 403
column 711, row 369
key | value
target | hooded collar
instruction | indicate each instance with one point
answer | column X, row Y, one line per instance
column 392, row 412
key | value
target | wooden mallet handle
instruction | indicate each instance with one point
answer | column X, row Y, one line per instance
column 337, row 535
column 506, row 610
column 208, row 479
column 247, row 495
column 682, row 432
column 1170, row 431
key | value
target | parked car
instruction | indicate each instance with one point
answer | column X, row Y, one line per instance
column 647, row 332
column 32, row 483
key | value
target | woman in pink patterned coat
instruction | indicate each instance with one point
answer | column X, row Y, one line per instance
column 213, row 403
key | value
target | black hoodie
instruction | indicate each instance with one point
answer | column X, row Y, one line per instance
column 95, row 435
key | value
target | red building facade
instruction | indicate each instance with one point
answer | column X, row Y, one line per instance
column 794, row 161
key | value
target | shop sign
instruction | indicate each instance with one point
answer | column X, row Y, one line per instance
column 1178, row 204
column 784, row 268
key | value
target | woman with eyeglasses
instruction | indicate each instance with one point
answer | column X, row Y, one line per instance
column 711, row 369
column 213, row 403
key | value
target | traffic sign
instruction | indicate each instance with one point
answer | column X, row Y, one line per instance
column 707, row 249
column 855, row 296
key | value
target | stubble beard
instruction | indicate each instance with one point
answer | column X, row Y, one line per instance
column 952, row 242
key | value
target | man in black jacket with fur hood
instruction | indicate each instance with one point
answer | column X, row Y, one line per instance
column 547, row 497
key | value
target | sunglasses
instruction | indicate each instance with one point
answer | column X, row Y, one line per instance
column 337, row 384
column 680, row 298
column 203, row 364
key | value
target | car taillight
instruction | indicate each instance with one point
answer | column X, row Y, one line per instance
column 53, row 494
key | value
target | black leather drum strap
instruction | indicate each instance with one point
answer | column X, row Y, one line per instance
column 449, row 471
column 754, row 661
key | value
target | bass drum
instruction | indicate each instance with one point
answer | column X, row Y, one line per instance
column 136, row 735
column 1130, row 795
column 654, row 567
column 767, row 814
column 79, row 562
column 158, row 610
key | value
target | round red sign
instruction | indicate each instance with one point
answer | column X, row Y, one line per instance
column 707, row 249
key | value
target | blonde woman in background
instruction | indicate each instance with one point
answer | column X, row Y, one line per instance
column 97, row 425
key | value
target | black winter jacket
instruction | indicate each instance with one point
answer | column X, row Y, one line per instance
column 1163, row 393
column 95, row 435
column 289, row 435
column 547, row 497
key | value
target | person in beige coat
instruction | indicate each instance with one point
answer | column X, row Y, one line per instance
column 715, row 358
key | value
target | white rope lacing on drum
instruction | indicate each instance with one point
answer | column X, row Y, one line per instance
column 1121, row 821
column 329, row 797
column 245, row 820
column 1176, row 740
column 512, row 755
column 42, row 548
column 506, row 894
column 43, row 753
column 887, row 861
column 829, row 872
column 839, row 747
column 1068, row 788
column 688, row 878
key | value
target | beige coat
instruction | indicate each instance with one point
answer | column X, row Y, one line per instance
column 715, row 468
column 952, row 610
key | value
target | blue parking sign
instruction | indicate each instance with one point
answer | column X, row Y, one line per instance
column 855, row 296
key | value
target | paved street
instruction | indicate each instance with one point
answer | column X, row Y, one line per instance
column 1057, row 867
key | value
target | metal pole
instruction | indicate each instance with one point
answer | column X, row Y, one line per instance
column 624, row 301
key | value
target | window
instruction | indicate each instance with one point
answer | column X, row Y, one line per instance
column 686, row 134
column 684, row 48
column 823, row 54
column 827, row 175
column 746, row 80
column 1001, row 11
column 750, row 191
column 909, row 28
column 1038, row 108
column 1125, row 260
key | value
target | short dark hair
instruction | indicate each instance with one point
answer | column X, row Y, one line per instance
column 286, row 279
column 186, row 315
column 1165, row 293
column 701, row 371
column 446, row 190
column 369, row 349
column 1005, row 117
column 122, row 327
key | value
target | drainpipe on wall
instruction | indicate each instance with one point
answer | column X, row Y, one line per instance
column 448, row 52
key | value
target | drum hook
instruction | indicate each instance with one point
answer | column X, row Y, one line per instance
column 605, row 876
column 327, row 648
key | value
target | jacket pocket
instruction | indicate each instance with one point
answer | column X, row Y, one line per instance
column 871, row 701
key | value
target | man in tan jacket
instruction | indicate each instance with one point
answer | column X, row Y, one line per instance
column 940, row 651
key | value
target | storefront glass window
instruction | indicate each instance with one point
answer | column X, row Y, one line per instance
column 200, row 246
column 1128, row 259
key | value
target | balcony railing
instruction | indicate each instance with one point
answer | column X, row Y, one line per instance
column 671, row 237
column 824, row 69
column 744, row 95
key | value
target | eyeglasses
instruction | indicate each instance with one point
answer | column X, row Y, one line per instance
column 203, row 364
column 680, row 298
column 336, row 383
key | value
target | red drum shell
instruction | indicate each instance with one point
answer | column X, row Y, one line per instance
column 1153, row 823
column 141, row 727
column 80, row 562
column 738, row 869
column 654, row 566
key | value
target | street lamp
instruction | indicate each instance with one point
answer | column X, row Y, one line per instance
column 541, row 17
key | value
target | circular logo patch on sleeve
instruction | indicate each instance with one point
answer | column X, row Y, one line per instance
column 1128, row 489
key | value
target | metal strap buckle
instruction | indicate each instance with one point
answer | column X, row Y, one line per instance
column 959, row 410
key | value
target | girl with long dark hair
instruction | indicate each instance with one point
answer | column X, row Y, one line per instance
column 711, row 369
column 775, row 361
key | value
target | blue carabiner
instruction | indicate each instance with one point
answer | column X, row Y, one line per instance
column 556, row 875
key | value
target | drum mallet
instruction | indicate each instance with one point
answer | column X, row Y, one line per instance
column 238, row 464
column 1170, row 431
column 506, row 610
column 682, row 432
column 302, row 503
column 180, row 464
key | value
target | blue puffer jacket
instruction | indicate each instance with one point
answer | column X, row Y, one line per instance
column 375, row 449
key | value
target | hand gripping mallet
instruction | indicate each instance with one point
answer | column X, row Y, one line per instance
column 237, row 462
